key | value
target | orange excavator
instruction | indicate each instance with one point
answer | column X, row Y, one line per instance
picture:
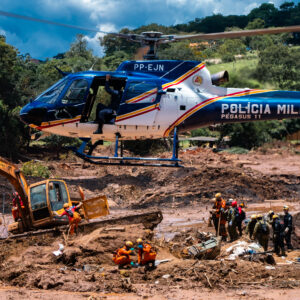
column 40, row 200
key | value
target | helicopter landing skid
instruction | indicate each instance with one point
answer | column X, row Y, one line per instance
column 117, row 160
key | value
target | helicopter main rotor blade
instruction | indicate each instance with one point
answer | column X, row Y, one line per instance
column 11, row 15
column 233, row 34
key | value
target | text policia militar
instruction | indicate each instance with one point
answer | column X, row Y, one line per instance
column 255, row 110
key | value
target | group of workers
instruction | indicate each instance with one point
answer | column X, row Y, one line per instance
column 230, row 212
column 146, row 255
column 258, row 228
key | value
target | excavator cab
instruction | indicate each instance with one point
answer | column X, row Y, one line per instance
column 40, row 200
column 44, row 198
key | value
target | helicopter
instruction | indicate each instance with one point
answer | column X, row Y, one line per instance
column 157, row 99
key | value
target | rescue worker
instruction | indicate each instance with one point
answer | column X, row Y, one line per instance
column 106, row 113
column 146, row 255
column 233, row 215
column 229, row 202
column 278, row 236
column 122, row 256
column 269, row 217
column 15, row 209
column 250, row 226
column 73, row 216
column 219, row 216
column 242, row 217
column 261, row 232
column 288, row 227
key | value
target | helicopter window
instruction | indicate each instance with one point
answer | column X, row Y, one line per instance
column 51, row 95
column 76, row 92
column 136, row 88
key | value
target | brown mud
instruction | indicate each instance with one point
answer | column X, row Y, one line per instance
column 263, row 179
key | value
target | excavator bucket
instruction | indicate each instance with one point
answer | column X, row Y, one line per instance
column 95, row 207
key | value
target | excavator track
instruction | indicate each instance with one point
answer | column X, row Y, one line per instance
column 148, row 218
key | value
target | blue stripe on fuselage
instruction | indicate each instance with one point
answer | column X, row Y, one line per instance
column 271, row 105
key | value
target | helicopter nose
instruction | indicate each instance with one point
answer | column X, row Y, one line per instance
column 33, row 116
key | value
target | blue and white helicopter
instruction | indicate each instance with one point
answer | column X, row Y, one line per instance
column 159, row 98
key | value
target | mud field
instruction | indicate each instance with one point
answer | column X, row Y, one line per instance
column 264, row 180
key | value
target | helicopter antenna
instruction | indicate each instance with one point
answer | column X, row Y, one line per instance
column 91, row 68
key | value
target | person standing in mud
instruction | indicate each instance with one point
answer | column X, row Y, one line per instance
column 219, row 216
column 16, row 202
column 288, row 227
column 241, row 218
column 278, row 236
column 233, row 216
column 250, row 226
column 73, row 216
column 269, row 217
column 261, row 232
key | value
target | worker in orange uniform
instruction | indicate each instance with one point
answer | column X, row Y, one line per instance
column 219, row 216
column 73, row 216
column 15, row 209
column 122, row 256
column 146, row 255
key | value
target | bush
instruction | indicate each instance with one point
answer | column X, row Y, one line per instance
column 236, row 150
column 145, row 147
column 35, row 169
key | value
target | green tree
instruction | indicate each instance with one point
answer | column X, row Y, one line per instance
column 180, row 50
column 12, row 132
column 230, row 48
column 246, row 135
column 266, row 12
column 79, row 48
column 280, row 66
column 111, row 62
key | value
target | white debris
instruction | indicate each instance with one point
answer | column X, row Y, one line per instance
column 166, row 276
column 270, row 268
column 240, row 248
column 158, row 262
column 59, row 251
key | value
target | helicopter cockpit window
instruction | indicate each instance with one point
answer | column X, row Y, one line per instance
column 76, row 92
column 51, row 95
column 147, row 91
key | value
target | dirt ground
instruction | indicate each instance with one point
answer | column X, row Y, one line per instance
column 264, row 179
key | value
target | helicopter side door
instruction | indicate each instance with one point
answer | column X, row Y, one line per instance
column 140, row 103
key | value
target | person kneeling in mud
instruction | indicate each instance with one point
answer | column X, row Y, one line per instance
column 121, row 257
column 146, row 255
column 73, row 216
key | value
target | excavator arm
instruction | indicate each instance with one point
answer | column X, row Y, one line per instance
column 17, row 179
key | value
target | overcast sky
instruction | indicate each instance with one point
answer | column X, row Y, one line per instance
column 43, row 40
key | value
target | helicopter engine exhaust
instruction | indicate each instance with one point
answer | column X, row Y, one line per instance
column 220, row 77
